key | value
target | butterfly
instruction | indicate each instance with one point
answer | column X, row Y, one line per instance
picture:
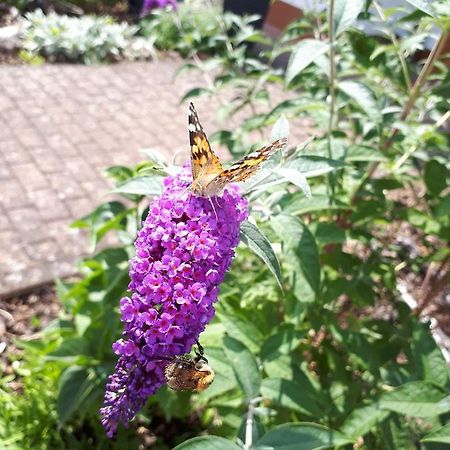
column 208, row 175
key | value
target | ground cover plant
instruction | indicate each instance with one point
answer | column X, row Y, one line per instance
column 314, row 343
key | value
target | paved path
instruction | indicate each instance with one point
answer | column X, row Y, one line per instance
column 60, row 127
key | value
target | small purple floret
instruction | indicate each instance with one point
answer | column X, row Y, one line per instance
column 182, row 253
column 149, row 5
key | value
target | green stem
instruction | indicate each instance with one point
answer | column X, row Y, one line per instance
column 412, row 97
column 332, row 93
column 396, row 45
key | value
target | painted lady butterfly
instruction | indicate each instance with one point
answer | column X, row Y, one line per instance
column 209, row 177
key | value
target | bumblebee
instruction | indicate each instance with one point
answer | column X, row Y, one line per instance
column 186, row 373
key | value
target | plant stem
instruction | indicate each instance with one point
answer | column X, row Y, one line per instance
column 397, row 48
column 332, row 92
column 249, row 423
column 412, row 97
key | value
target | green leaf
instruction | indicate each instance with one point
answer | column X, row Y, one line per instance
column 363, row 96
column 256, row 241
column 280, row 129
column 345, row 14
column 141, row 186
column 423, row 5
column 327, row 233
column 282, row 343
column 314, row 166
column 244, row 366
column 207, row 443
column 435, row 177
column 296, row 178
column 106, row 217
column 356, row 153
column 291, row 395
column 301, row 436
column 195, row 92
column 441, row 435
column 363, row 419
column 242, row 329
column 296, row 236
column 416, row 399
column 75, row 387
column 304, row 53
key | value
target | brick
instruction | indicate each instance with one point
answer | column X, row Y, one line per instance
column 48, row 204
column 12, row 195
column 30, row 176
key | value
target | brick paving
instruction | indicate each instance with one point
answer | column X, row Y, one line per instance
column 61, row 126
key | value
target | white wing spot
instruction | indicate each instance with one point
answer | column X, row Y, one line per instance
column 191, row 127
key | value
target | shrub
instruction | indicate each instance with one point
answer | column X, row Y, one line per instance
column 88, row 39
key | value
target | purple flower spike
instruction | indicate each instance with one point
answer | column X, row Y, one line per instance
column 182, row 253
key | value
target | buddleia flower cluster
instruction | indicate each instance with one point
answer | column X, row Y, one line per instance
column 183, row 250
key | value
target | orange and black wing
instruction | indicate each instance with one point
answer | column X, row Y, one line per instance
column 203, row 159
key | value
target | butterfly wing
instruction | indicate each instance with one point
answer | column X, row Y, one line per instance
column 245, row 167
column 203, row 160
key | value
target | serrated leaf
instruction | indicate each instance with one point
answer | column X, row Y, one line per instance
column 256, row 241
column 141, row 186
column 345, row 14
column 244, row 366
column 304, row 53
column 207, row 443
column 301, row 436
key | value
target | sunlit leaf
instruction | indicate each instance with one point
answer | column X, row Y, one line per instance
column 141, row 186
column 280, row 129
column 441, row 435
column 301, row 436
column 304, row 53
column 244, row 366
column 207, row 443
column 254, row 239
column 345, row 14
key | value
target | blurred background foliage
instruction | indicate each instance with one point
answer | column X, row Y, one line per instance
column 322, row 334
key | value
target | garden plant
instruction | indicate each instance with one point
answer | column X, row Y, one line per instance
column 322, row 333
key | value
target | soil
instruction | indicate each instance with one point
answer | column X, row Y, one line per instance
column 22, row 316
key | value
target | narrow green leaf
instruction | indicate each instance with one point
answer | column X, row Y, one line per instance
column 141, row 186
column 345, row 14
column 194, row 92
column 207, row 443
column 256, row 241
column 441, row 435
column 244, row 366
column 357, row 152
column 305, row 52
column 301, row 436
